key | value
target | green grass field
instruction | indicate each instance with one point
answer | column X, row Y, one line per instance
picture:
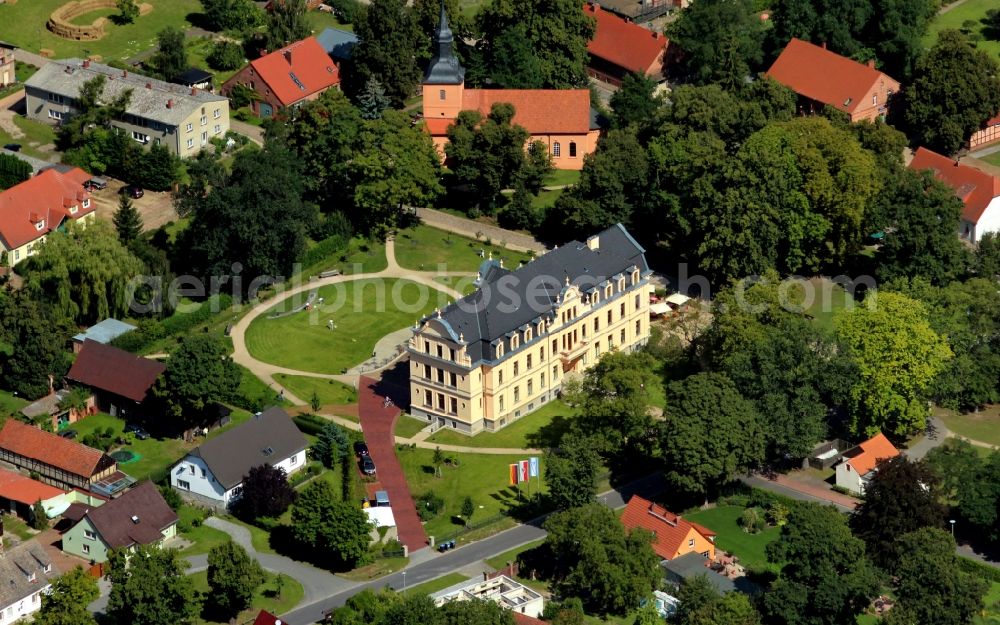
column 513, row 436
column 482, row 477
column 970, row 10
column 155, row 456
column 361, row 256
column 328, row 391
column 992, row 159
column 9, row 403
column 560, row 177
column 253, row 387
column 991, row 615
column 981, row 426
column 266, row 597
column 36, row 135
column 748, row 547
column 407, row 427
column 427, row 249
column 202, row 537
column 362, row 311
column 462, row 285
column 433, row 586
column 500, row 561
column 26, row 28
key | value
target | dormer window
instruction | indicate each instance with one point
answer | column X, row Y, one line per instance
column 527, row 335
column 47, row 568
column 73, row 209
column 40, row 225
column 31, row 576
column 635, row 277
column 621, row 284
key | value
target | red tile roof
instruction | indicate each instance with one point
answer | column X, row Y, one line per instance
column 624, row 43
column 138, row 517
column 523, row 619
column 975, row 188
column 305, row 61
column 25, row 490
column 670, row 529
column 114, row 370
column 43, row 199
column 824, row 76
column 30, row 442
column 539, row 111
column 870, row 452
column 266, row 618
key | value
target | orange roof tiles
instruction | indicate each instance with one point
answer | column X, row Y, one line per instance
column 824, row 76
column 297, row 71
column 975, row 188
column 25, row 490
column 539, row 111
column 669, row 529
column 43, row 199
column 624, row 43
column 524, row 619
column 30, row 442
column 871, row 451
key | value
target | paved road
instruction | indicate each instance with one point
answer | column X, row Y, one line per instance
column 435, row 565
column 469, row 228
column 798, row 495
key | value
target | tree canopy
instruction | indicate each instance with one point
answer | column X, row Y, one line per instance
column 266, row 493
column 149, row 585
column 389, row 41
column 334, row 531
column 285, row 23
column 722, row 41
column 66, row 603
column 233, row 577
column 198, row 373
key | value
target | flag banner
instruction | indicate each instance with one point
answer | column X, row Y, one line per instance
column 524, row 470
column 533, row 467
column 513, row 474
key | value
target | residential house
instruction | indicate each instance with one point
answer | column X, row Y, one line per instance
column 184, row 119
column 641, row 10
column 502, row 590
column 27, row 572
column 287, row 77
column 381, row 518
column 19, row 493
column 560, row 118
column 39, row 206
column 978, row 190
column 621, row 47
column 503, row 351
column 138, row 517
column 51, row 409
column 213, row 472
column 121, row 381
column 57, row 461
column 339, row 44
column 859, row 463
column 989, row 133
column 692, row 564
column 103, row 332
column 8, row 74
column 266, row 618
column 673, row 536
column 823, row 78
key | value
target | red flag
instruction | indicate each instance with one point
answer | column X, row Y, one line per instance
column 513, row 474
column 524, row 470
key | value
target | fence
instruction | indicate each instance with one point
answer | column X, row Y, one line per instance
column 471, row 526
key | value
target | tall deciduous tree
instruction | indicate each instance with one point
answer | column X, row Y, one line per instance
column 389, row 42
column 331, row 445
column 285, row 23
column 66, row 603
column 721, row 39
column 233, row 578
column 898, row 355
column 710, row 434
column 170, row 60
column 571, row 471
column 149, row 586
column 825, row 578
column 636, row 102
column 266, row 493
column 336, row 531
column 551, row 38
column 198, row 373
column 128, row 222
column 955, row 89
column 128, row 10
column 236, row 15
column 31, row 345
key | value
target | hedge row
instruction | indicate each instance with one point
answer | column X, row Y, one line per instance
column 178, row 323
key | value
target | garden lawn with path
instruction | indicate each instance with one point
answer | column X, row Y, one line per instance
column 969, row 10
column 328, row 391
column 360, row 256
column 362, row 312
column 463, row 285
column 749, row 548
column 515, row 435
column 265, row 598
column 154, row 456
column 484, row 478
column 407, row 427
column 26, row 28
column 253, row 388
column 201, row 536
column 423, row 248
column 983, row 425
column 435, row 585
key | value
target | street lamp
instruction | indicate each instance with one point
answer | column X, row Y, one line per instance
column 404, row 575
column 952, row 521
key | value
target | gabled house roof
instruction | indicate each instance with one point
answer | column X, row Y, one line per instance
column 266, row 618
column 866, row 455
column 115, row 370
column 669, row 529
column 267, row 438
column 339, row 44
column 40, row 204
column 297, row 71
column 624, row 43
column 24, row 569
column 539, row 111
column 105, row 331
column 22, row 489
column 819, row 74
column 136, row 518
column 30, row 442
column 975, row 188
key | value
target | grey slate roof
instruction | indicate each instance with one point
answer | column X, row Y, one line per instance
column 507, row 300
column 693, row 564
column 339, row 44
column 105, row 331
column 267, row 438
column 17, row 564
column 444, row 68
column 65, row 78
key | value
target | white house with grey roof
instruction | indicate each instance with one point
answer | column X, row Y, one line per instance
column 213, row 472
column 184, row 119
column 503, row 351
column 25, row 571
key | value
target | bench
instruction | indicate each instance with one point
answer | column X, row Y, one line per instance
column 329, row 274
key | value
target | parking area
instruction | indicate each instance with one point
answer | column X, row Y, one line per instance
column 155, row 207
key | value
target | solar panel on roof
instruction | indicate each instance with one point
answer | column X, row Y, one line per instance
column 296, row 80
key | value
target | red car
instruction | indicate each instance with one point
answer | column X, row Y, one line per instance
column 133, row 191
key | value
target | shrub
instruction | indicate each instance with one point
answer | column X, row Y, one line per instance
column 347, row 11
column 752, row 520
column 225, row 55
column 429, row 506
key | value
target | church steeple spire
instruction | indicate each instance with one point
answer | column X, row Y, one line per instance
column 444, row 68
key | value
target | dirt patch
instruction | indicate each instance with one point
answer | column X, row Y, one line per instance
column 155, row 207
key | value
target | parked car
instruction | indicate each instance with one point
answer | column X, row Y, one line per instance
column 133, row 191
column 367, row 465
column 139, row 432
column 360, row 449
column 13, row 147
column 70, row 434
column 96, row 184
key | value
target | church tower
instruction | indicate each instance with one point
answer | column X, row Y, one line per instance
column 444, row 81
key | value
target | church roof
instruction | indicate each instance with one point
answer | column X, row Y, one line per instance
column 444, row 68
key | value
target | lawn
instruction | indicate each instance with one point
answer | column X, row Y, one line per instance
column 731, row 537
column 328, row 391
column 27, row 29
column 253, row 387
column 546, row 199
column 561, row 177
column 202, row 537
column 820, row 299
column 482, row 477
column 155, row 456
column 407, row 427
column 991, row 615
column 378, row 568
column 435, row 585
column 10, row 403
column 266, row 597
column 992, row 159
column 321, row 20
column 512, row 436
column 428, row 249
column 980, row 426
column 361, row 256
column 462, row 285
column 22, row 72
column 36, row 134
column 362, row 312
column 500, row 561
column 198, row 49
column 970, row 10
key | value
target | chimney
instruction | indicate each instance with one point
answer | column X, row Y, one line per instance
column 149, row 85
column 486, row 576
column 288, row 56
column 194, row 90
column 86, row 63
column 135, row 519
column 823, row 45
column 871, row 63
column 170, row 104
column 124, row 73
